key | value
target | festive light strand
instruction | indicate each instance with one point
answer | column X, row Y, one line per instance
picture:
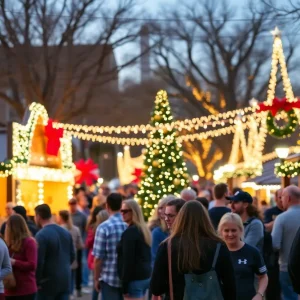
column 182, row 138
column 278, row 57
column 187, row 124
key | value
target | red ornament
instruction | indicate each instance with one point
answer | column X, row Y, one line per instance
column 277, row 105
column 54, row 135
column 88, row 172
column 138, row 174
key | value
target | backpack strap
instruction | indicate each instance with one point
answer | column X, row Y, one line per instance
column 216, row 256
column 170, row 270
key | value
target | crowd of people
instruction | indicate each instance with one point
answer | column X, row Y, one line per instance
column 193, row 247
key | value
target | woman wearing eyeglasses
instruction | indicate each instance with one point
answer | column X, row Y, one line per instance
column 134, row 252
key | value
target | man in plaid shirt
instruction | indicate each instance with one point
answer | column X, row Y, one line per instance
column 107, row 237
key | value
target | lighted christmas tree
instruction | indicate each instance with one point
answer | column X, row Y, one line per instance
column 164, row 171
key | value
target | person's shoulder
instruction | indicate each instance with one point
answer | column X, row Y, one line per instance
column 251, row 250
column 211, row 244
column 156, row 230
column 132, row 228
column 29, row 241
column 114, row 221
column 76, row 229
column 219, row 208
column 282, row 217
column 82, row 215
column 79, row 214
column 103, row 227
column 255, row 222
column 131, row 231
column 211, row 210
column 2, row 243
column 104, row 224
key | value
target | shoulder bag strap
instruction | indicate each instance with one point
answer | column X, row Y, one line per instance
column 216, row 256
column 170, row 270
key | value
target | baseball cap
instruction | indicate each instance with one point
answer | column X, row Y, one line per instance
column 241, row 196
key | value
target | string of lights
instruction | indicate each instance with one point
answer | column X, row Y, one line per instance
column 245, row 123
column 278, row 57
column 187, row 124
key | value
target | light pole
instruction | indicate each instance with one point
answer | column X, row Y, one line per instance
column 282, row 153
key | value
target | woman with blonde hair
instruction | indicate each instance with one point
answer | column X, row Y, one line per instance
column 158, row 218
column 65, row 221
column 23, row 256
column 158, row 226
column 195, row 253
column 247, row 260
column 134, row 252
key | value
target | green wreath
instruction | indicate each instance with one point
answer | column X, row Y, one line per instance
column 284, row 131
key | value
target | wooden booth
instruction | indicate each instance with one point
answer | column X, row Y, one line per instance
column 41, row 169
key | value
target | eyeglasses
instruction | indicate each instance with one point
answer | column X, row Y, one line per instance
column 169, row 216
column 125, row 211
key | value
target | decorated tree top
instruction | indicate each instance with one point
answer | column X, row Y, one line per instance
column 274, row 105
column 164, row 171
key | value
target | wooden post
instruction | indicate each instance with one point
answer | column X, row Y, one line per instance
column 230, row 184
column 10, row 192
column 285, row 181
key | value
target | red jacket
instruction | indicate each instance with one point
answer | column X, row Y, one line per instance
column 24, row 269
column 89, row 243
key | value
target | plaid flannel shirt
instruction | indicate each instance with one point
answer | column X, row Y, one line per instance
column 107, row 237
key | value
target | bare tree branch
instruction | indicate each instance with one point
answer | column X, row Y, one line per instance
column 59, row 50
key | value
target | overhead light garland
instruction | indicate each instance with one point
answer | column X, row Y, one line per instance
column 287, row 169
column 230, row 128
column 187, row 124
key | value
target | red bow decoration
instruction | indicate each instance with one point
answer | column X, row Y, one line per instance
column 88, row 172
column 277, row 105
column 138, row 174
column 54, row 135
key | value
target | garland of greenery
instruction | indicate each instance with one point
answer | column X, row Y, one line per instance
column 242, row 172
column 284, row 131
column 287, row 169
column 6, row 165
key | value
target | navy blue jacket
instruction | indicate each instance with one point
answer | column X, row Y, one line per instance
column 55, row 256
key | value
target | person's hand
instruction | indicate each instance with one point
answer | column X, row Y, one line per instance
column 12, row 261
column 257, row 297
column 97, row 285
column 156, row 297
column 269, row 226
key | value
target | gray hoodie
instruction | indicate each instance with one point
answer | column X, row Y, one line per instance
column 5, row 264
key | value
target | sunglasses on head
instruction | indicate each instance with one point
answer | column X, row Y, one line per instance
column 125, row 211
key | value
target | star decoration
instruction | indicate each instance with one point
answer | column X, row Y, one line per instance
column 276, row 32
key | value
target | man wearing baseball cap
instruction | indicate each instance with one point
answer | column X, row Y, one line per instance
column 241, row 204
